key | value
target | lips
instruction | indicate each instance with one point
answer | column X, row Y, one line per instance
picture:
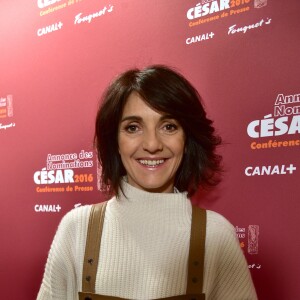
column 151, row 162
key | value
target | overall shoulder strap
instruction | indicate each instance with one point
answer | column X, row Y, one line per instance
column 92, row 247
column 197, row 251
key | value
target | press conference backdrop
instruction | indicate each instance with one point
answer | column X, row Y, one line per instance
column 57, row 57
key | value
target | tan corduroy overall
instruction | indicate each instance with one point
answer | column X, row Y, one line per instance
column 194, row 290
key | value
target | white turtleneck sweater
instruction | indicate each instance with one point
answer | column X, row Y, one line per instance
column 144, row 251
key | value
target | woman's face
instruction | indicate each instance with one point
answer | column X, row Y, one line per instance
column 151, row 146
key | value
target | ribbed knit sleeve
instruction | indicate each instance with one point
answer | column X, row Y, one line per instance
column 227, row 276
column 61, row 280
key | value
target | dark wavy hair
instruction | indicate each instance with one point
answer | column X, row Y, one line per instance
column 167, row 91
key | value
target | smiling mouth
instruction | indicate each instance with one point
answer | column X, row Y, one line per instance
column 151, row 162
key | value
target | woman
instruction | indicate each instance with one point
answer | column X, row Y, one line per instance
column 156, row 148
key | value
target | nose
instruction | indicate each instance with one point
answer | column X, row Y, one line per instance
column 152, row 142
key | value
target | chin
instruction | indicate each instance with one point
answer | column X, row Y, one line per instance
column 157, row 188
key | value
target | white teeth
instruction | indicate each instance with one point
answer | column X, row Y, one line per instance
column 151, row 163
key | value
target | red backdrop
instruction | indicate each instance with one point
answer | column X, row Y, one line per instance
column 58, row 56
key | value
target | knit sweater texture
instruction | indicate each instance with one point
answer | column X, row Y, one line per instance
column 144, row 251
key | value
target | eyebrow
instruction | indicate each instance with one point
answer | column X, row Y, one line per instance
column 131, row 118
column 137, row 118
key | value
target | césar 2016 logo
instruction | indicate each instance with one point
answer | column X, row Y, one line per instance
column 53, row 176
column 45, row 3
column 286, row 119
column 207, row 7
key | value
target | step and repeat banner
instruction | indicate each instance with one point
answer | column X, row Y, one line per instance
column 57, row 57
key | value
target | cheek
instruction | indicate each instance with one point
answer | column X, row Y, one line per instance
column 120, row 147
column 121, row 144
column 125, row 146
column 122, row 152
column 180, row 146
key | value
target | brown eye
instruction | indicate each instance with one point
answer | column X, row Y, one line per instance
column 131, row 128
column 170, row 127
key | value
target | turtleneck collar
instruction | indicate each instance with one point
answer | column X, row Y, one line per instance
column 132, row 194
column 139, row 207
